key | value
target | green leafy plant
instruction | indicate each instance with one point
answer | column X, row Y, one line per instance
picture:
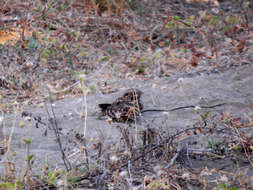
column 46, row 53
column 176, row 18
column 52, row 176
column 105, row 58
column 224, row 186
column 171, row 25
column 167, row 43
column 213, row 20
column 215, row 147
column 205, row 116
column 27, row 141
column 29, row 158
column 7, row 185
column 143, row 60
column 184, row 50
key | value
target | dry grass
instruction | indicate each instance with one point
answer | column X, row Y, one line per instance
column 145, row 158
column 114, row 40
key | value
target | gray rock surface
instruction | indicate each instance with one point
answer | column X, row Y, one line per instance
column 233, row 86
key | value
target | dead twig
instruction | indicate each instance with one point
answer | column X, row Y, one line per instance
column 55, row 127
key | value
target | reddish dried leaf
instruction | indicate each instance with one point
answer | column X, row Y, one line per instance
column 241, row 45
column 236, row 119
column 194, row 61
column 245, row 25
column 200, row 130
column 200, row 54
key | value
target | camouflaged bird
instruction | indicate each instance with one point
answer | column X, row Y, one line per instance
column 124, row 109
column 127, row 107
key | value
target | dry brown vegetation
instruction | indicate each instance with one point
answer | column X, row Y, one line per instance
column 69, row 48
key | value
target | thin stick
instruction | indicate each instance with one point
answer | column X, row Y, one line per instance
column 85, row 125
column 58, row 139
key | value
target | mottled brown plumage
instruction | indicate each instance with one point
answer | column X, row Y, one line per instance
column 125, row 109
